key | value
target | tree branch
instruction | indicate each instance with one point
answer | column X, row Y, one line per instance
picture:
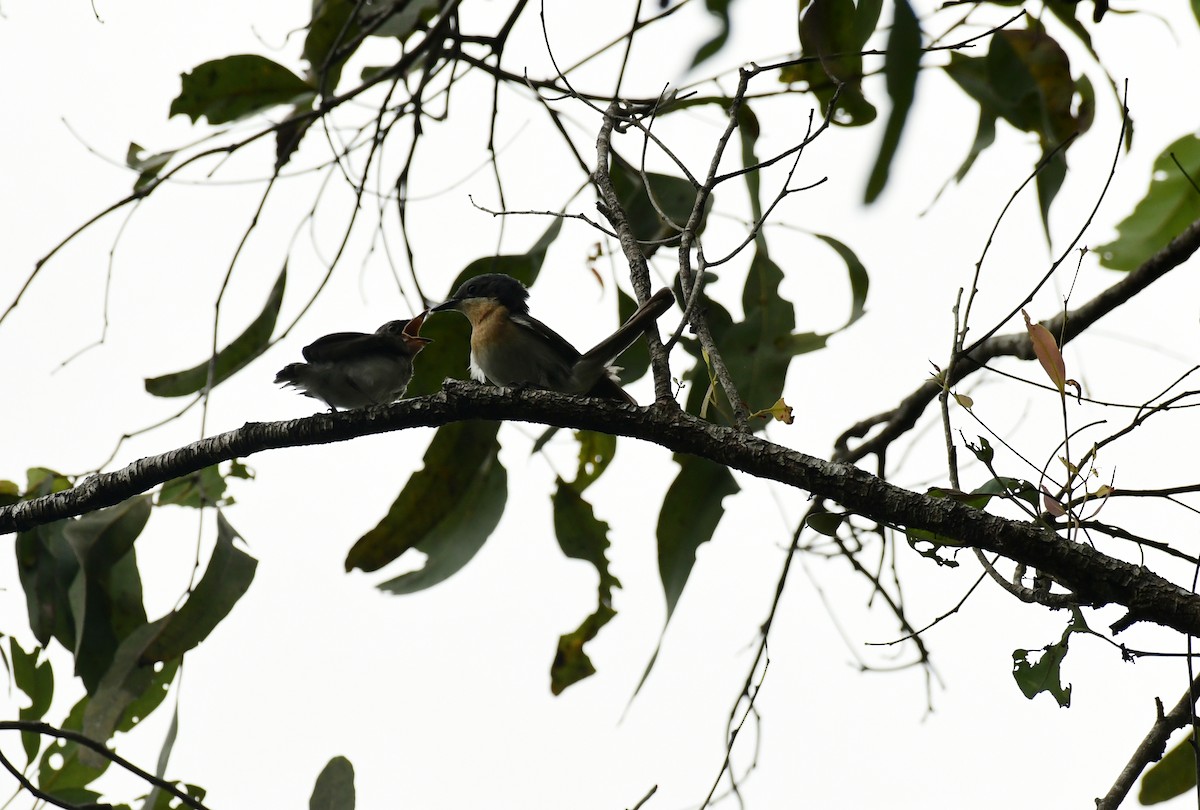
column 1066, row 325
column 1151, row 749
column 1096, row 578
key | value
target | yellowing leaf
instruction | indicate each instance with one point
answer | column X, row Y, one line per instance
column 780, row 411
column 965, row 401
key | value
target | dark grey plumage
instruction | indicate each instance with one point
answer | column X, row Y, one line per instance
column 356, row 369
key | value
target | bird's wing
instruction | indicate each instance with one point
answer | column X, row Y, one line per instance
column 556, row 342
column 339, row 346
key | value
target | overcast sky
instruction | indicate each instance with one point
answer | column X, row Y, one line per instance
column 441, row 699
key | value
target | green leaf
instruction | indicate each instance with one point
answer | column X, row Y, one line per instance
column 226, row 579
column 148, row 166
column 1026, row 80
column 60, row 769
column 199, row 489
column 690, row 513
column 447, row 355
column 227, row 89
column 983, row 451
column 834, row 32
column 126, row 680
column 334, row 34
column 675, row 196
column 720, row 10
column 860, row 281
column 334, row 789
column 1044, row 674
column 749, row 131
column 928, row 544
column 233, row 358
column 1170, row 205
column 581, row 536
column 151, row 698
column 759, row 349
column 900, row 70
column 46, row 567
column 447, row 510
column 596, row 451
column 1011, row 488
column 37, row 682
column 826, row 523
column 1171, row 776
column 106, row 593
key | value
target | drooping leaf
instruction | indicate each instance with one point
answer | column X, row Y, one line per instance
column 291, row 131
column 720, row 10
column 37, row 682
column 338, row 28
column 749, row 131
column 1044, row 675
column 60, row 770
column 1025, row 78
column 234, row 357
column 1047, row 352
column 1170, row 205
column 460, row 518
column 226, row 579
column 125, row 681
column 581, row 536
column 860, row 281
column 689, row 516
column 447, row 355
column 928, row 544
column 759, row 349
column 106, row 594
column 834, row 32
column 227, row 89
column 690, row 512
column 153, row 799
column 826, row 523
column 334, row 789
column 1171, row 776
column 900, row 69
column 46, row 567
column 151, row 698
column 596, row 451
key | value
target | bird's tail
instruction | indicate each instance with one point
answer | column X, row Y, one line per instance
column 594, row 363
column 291, row 374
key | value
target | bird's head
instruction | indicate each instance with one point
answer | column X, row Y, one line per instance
column 487, row 290
column 408, row 331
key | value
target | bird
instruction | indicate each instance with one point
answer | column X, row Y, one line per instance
column 356, row 369
column 510, row 348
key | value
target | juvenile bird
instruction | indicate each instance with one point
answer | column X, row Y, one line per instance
column 355, row 369
column 509, row 347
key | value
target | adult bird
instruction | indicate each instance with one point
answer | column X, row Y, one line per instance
column 355, row 369
column 509, row 347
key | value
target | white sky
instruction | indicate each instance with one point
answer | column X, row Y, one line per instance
column 441, row 699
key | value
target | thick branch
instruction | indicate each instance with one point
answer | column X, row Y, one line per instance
column 1069, row 326
column 1095, row 578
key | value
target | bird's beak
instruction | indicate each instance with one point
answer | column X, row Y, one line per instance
column 412, row 333
column 448, row 304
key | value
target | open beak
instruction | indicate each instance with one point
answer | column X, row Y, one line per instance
column 412, row 332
